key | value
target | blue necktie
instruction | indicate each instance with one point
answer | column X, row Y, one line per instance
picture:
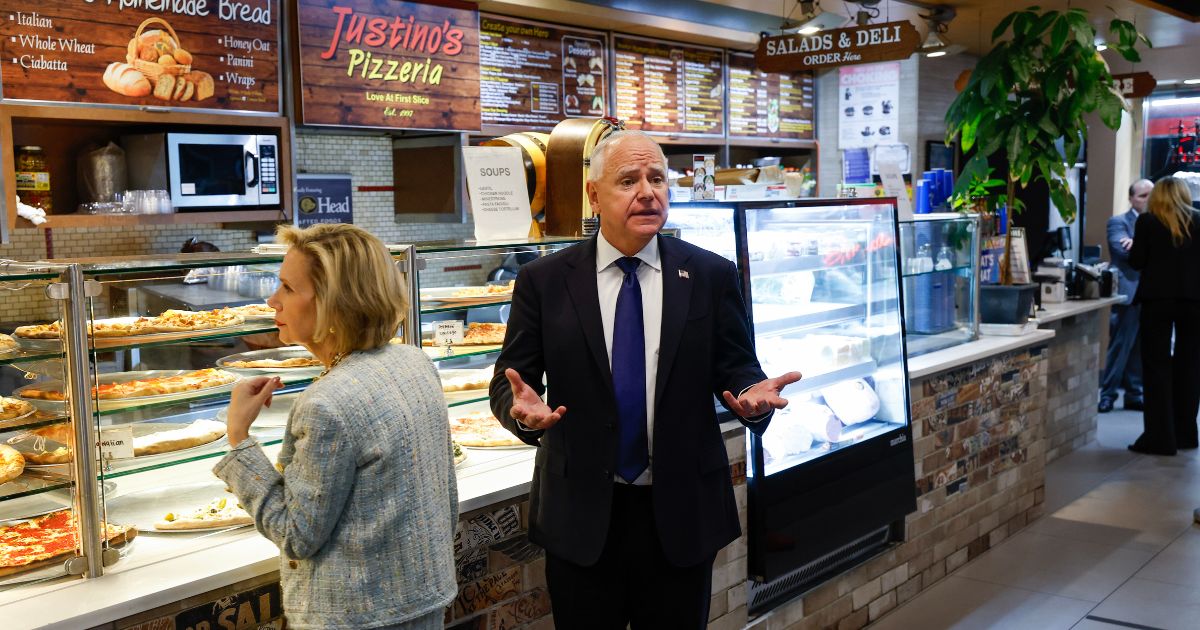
column 629, row 374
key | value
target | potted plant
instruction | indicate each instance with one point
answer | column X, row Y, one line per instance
column 1025, row 96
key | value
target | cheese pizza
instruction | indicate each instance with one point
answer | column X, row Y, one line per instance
column 123, row 327
column 484, row 334
column 184, row 321
column 36, row 542
column 220, row 512
column 294, row 362
column 466, row 380
column 490, row 290
column 12, row 463
column 158, row 386
column 170, row 321
column 254, row 310
column 198, row 433
column 481, row 429
column 11, row 408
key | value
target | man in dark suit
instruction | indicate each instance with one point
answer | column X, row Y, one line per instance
column 1123, row 363
column 634, row 333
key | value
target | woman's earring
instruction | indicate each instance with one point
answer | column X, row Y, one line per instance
column 331, row 330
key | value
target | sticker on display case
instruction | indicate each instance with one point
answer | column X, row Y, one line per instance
column 256, row 608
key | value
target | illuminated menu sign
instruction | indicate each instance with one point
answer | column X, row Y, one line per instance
column 534, row 75
column 194, row 54
column 767, row 104
column 664, row 87
column 387, row 63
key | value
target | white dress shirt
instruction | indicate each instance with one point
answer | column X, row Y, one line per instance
column 608, row 285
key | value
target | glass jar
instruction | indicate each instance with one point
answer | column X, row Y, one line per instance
column 33, row 177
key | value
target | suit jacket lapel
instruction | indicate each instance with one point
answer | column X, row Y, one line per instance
column 677, row 294
column 581, row 285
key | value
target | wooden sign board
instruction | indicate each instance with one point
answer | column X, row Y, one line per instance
column 841, row 47
column 1135, row 85
column 390, row 64
column 669, row 88
column 775, row 105
column 195, row 55
column 534, row 75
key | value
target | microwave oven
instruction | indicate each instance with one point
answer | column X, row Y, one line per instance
column 206, row 170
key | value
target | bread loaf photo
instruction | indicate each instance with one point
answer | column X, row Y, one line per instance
column 126, row 80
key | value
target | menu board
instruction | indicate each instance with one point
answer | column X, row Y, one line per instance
column 388, row 63
column 768, row 104
column 535, row 75
column 198, row 54
column 663, row 87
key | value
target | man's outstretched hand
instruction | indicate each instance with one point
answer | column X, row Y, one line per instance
column 530, row 410
column 761, row 398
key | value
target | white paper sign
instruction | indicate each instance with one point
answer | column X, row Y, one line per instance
column 499, row 194
column 116, row 442
column 448, row 333
column 868, row 104
column 893, row 186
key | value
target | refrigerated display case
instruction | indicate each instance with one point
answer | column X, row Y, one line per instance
column 939, row 261
column 831, row 479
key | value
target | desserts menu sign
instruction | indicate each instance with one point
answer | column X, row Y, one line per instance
column 534, row 75
column 204, row 54
column 769, row 105
column 663, row 87
column 387, row 63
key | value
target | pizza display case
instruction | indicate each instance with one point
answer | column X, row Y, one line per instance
column 464, row 293
column 149, row 388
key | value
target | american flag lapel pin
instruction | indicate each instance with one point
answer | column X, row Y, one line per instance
column 684, row 274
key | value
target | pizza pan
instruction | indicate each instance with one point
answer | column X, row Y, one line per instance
column 139, row 430
column 289, row 352
column 53, row 345
column 445, row 295
column 144, row 508
column 122, row 377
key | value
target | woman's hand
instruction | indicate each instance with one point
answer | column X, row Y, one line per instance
column 248, row 398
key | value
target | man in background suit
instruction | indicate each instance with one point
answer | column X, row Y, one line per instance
column 634, row 333
column 1123, row 363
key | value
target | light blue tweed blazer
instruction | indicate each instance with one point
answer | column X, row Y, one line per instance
column 365, row 510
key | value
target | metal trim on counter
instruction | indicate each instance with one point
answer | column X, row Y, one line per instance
column 972, row 351
column 1058, row 311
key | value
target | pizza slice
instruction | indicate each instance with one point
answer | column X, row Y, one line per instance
column 185, row 321
column 484, row 334
column 42, row 541
column 468, row 380
column 482, row 430
column 12, row 463
column 220, row 512
column 11, row 408
column 294, row 362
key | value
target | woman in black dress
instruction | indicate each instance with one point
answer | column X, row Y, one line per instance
column 1167, row 254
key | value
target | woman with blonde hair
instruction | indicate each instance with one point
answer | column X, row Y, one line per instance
column 1166, row 253
column 365, row 507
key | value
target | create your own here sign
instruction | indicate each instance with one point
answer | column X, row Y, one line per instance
column 841, row 47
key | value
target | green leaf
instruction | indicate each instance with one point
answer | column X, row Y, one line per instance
column 1044, row 23
column 1003, row 25
column 1058, row 35
column 968, row 134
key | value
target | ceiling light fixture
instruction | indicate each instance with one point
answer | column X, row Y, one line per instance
column 936, row 44
column 1191, row 81
column 823, row 21
column 1101, row 47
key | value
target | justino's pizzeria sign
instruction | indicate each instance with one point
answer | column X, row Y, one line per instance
column 841, row 47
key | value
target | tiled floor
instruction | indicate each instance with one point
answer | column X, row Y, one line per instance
column 1116, row 549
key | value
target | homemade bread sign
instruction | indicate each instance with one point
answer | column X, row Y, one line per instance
column 384, row 63
column 200, row 54
column 841, row 47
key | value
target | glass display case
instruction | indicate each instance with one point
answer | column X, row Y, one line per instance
column 150, row 384
column 831, row 479
column 939, row 261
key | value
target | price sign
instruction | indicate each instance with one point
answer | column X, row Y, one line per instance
column 117, row 442
column 448, row 333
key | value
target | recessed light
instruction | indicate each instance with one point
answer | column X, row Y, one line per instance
column 1191, row 81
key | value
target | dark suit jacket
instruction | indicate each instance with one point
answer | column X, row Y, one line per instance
column 705, row 348
column 1119, row 227
column 1168, row 272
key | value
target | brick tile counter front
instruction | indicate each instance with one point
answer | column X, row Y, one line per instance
column 1074, row 380
column 979, row 444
